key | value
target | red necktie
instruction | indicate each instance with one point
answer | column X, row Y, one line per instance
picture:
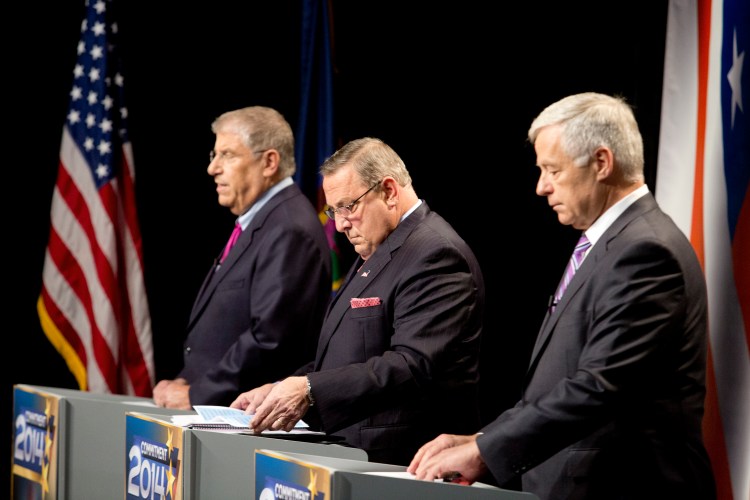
column 232, row 240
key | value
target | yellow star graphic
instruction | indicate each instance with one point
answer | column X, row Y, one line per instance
column 311, row 486
column 169, row 441
column 47, row 445
column 45, row 473
column 170, row 479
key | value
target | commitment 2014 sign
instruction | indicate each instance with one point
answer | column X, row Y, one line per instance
column 154, row 460
column 35, row 445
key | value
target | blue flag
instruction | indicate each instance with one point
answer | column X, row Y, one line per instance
column 315, row 135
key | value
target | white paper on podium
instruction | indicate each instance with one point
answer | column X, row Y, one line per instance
column 224, row 418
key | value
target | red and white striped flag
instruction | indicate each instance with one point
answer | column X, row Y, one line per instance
column 93, row 305
column 703, row 182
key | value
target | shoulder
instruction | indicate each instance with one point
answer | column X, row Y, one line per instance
column 435, row 232
column 433, row 241
column 650, row 244
column 290, row 209
column 653, row 231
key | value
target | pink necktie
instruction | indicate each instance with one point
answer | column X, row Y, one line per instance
column 232, row 240
column 573, row 264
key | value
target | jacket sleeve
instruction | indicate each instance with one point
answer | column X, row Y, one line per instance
column 615, row 346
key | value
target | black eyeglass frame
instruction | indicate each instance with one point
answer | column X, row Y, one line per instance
column 347, row 210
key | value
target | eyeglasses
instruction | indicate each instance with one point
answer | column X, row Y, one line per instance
column 228, row 155
column 347, row 210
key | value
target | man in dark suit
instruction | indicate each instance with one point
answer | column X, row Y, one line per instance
column 258, row 314
column 397, row 356
column 613, row 398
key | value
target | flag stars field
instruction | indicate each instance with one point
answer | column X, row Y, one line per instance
column 734, row 76
column 93, row 306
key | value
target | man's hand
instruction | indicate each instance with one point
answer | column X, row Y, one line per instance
column 173, row 394
column 281, row 408
column 446, row 456
column 252, row 399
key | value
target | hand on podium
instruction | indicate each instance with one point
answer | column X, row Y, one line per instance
column 173, row 394
column 276, row 406
column 449, row 457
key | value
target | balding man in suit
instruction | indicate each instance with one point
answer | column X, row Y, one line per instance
column 398, row 353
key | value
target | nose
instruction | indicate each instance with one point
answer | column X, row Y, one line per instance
column 342, row 223
column 213, row 167
column 543, row 186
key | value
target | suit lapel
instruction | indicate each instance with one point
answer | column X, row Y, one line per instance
column 217, row 274
column 589, row 267
column 246, row 239
column 362, row 277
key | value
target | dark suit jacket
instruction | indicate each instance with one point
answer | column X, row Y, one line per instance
column 392, row 376
column 613, row 398
column 256, row 319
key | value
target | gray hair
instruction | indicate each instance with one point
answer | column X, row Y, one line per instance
column 589, row 121
column 261, row 128
column 372, row 160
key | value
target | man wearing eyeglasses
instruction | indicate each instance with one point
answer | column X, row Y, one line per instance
column 257, row 316
column 397, row 358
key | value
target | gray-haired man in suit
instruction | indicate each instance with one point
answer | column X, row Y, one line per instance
column 259, row 311
column 398, row 353
column 613, row 398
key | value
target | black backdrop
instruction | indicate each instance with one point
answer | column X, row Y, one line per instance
column 452, row 87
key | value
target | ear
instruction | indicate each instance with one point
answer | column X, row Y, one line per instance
column 270, row 160
column 391, row 190
column 604, row 163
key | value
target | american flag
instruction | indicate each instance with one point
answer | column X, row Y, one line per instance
column 93, row 306
column 703, row 182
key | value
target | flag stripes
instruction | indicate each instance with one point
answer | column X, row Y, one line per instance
column 703, row 182
column 93, row 305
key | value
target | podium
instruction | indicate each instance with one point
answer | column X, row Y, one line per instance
column 296, row 475
column 166, row 461
column 69, row 443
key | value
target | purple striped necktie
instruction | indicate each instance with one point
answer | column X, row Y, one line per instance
column 573, row 264
column 232, row 240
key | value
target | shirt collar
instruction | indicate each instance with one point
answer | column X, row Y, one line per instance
column 408, row 212
column 246, row 218
column 601, row 224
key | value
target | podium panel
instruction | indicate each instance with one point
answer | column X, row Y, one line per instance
column 69, row 443
column 166, row 461
column 296, row 475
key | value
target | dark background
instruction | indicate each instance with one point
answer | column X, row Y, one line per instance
column 452, row 88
